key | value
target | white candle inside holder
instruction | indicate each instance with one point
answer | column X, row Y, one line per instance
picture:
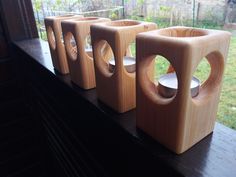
column 128, row 62
column 168, row 85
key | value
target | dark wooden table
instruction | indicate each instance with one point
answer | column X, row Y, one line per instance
column 112, row 139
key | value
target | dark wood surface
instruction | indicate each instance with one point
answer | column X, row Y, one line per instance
column 22, row 145
column 3, row 44
column 213, row 156
column 21, row 141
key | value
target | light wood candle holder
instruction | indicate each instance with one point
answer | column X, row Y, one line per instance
column 56, row 45
column 181, row 121
column 116, row 88
column 80, row 61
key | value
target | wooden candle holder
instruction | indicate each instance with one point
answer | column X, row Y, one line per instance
column 181, row 121
column 54, row 35
column 80, row 62
column 116, row 89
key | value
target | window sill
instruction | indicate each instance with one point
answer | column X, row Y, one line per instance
column 214, row 156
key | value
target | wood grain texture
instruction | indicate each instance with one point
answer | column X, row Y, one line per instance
column 181, row 121
column 57, row 48
column 117, row 89
column 80, row 62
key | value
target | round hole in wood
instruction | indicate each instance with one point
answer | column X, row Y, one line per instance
column 62, row 39
column 210, row 72
column 87, row 19
column 104, row 54
column 131, row 50
column 123, row 23
column 129, row 60
column 182, row 32
column 203, row 70
column 64, row 16
column 51, row 37
column 129, row 64
column 146, row 78
column 88, row 46
column 165, row 78
column 71, row 46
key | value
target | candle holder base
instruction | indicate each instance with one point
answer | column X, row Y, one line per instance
column 181, row 121
column 116, row 86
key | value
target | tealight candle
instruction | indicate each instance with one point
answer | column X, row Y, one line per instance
column 128, row 62
column 168, row 85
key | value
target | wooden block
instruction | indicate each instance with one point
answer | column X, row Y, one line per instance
column 56, row 45
column 80, row 62
column 116, row 89
column 181, row 121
